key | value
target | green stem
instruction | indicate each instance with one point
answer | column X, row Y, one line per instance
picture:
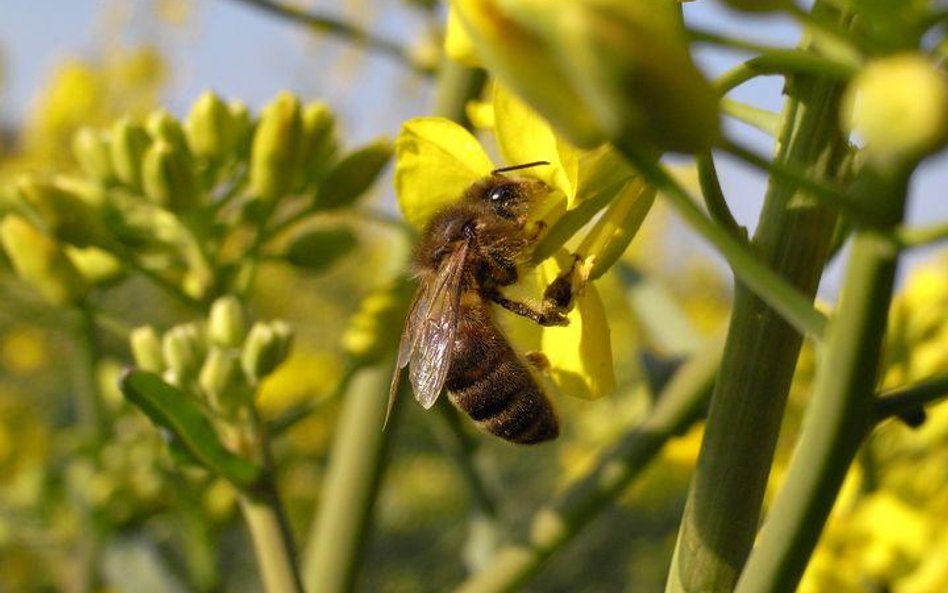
column 905, row 400
column 785, row 63
column 840, row 415
column 90, row 413
column 792, row 239
column 457, row 85
column 345, row 30
column 786, row 299
column 908, row 237
column 766, row 121
column 714, row 198
column 858, row 211
column 356, row 461
column 699, row 35
column 272, row 539
column 556, row 524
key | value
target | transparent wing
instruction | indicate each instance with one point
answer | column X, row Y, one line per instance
column 437, row 325
column 405, row 346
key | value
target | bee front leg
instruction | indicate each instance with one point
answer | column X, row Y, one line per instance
column 546, row 316
column 561, row 294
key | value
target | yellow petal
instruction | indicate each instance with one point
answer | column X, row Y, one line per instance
column 435, row 161
column 524, row 136
column 457, row 43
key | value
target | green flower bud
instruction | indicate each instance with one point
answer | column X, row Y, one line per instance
column 319, row 140
column 241, row 127
column 274, row 154
column 222, row 381
column 128, row 146
column 266, row 347
column 374, row 329
column 227, row 324
column 41, row 262
column 91, row 150
column 899, row 107
column 161, row 125
column 183, row 349
column 630, row 61
column 147, row 349
column 168, row 177
column 96, row 265
column 68, row 214
column 209, row 128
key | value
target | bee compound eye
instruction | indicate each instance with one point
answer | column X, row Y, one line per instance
column 501, row 194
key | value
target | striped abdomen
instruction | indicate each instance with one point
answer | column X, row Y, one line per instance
column 489, row 382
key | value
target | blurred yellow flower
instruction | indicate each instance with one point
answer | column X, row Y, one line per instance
column 23, row 350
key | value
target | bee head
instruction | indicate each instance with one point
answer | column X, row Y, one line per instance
column 508, row 197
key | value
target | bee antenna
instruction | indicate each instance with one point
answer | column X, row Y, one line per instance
column 518, row 167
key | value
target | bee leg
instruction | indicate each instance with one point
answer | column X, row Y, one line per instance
column 546, row 316
column 538, row 360
column 561, row 293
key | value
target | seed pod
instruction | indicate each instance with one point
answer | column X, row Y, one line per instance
column 41, row 262
column 275, row 151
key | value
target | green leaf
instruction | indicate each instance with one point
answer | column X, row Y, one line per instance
column 170, row 408
column 317, row 249
column 354, row 175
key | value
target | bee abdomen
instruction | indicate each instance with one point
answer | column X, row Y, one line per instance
column 507, row 402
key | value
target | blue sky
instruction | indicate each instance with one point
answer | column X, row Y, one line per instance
column 240, row 52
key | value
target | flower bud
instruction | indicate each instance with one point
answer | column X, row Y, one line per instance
column 611, row 234
column 209, row 128
column 168, row 177
column 241, row 127
column 373, row 330
column 146, row 349
column 222, row 381
column 91, row 150
column 96, row 265
column 227, row 324
column 41, row 262
column 899, row 107
column 161, row 125
column 274, row 153
column 319, row 140
column 183, row 349
column 267, row 345
column 68, row 215
column 630, row 62
column 128, row 145
column 354, row 174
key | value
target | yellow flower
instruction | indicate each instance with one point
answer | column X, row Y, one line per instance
column 437, row 160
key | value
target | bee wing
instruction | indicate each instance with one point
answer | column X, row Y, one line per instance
column 428, row 338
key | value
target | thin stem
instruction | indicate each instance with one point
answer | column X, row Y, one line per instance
column 700, row 35
column 334, row 553
column 795, row 308
column 830, row 35
column 714, row 198
column 841, row 413
column 908, row 237
column 272, row 538
column 339, row 28
column 911, row 398
column 679, row 405
column 860, row 212
column 784, row 63
column 766, row 121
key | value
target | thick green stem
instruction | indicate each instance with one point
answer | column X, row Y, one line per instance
column 457, row 85
column 355, row 468
column 555, row 525
column 841, row 414
column 272, row 540
column 793, row 238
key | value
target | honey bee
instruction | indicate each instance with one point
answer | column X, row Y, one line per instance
column 466, row 253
